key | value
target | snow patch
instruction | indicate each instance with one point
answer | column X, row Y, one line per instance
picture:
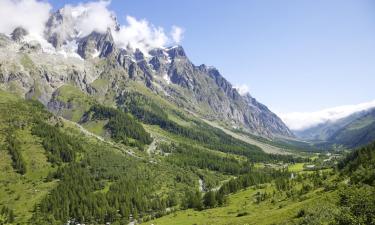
column 69, row 50
column 96, row 54
column 166, row 78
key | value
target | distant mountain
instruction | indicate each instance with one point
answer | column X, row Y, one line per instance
column 324, row 131
column 84, row 61
column 357, row 133
column 352, row 131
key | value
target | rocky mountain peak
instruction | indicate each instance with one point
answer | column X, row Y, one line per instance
column 59, row 29
column 176, row 52
column 138, row 55
column 165, row 71
column 96, row 44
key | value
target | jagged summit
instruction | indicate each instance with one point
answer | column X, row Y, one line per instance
column 167, row 71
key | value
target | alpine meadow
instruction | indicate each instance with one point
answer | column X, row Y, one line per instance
column 105, row 119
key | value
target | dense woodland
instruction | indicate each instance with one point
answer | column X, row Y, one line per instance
column 14, row 150
column 115, row 187
column 149, row 112
column 356, row 198
column 122, row 126
column 188, row 156
column 255, row 177
column 59, row 146
column 360, row 165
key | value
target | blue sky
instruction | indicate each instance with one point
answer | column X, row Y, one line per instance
column 295, row 55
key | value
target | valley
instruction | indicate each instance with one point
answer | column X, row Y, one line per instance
column 98, row 125
column 309, row 178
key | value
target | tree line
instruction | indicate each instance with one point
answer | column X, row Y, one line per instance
column 217, row 198
column 60, row 147
column 185, row 155
column 14, row 149
column 149, row 112
column 122, row 126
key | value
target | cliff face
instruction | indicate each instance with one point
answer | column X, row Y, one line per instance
column 33, row 72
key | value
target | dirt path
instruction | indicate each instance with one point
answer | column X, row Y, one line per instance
column 152, row 147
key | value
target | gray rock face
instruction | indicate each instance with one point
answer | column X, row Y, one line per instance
column 96, row 44
column 56, row 20
column 176, row 52
column 167, row 72
column 18, row 34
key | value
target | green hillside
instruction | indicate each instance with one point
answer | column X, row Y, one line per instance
column 355, row 130
column 358, row 133
column 342, row 196
column 153, row 163
column 43, row 155
column 107, row 121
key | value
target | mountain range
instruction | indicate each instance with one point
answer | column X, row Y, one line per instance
column 95, row 129
column 34, row 71
column 352, row 131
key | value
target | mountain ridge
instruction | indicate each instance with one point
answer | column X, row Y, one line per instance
column 166, row 71
column 352, row 131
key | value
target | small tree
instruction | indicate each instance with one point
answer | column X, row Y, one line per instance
column 209, row 199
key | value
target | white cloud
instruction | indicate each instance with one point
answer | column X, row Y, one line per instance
column 140, row 34
column 86, row 18
column 304, row 120
column 29, row 14
column 243, row 89
column 177, row 34
column 80, row 20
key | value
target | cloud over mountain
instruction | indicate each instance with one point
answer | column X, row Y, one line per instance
column 303, row 120
column 79, row 20
column 177, row 34
column 242, row 89
column 29, row 14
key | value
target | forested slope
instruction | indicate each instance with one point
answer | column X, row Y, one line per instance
column 119, row 179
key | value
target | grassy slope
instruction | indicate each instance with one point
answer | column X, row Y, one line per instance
column 282, row 210
column 243, row 202
column 264, row 146
column 96, row 127
column 359, row 132
column 21, row 192
column 79, row 102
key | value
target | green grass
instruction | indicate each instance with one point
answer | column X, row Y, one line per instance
column 69, row 93
column 78, row 102
column 297, row 167
column 170, row 137
column 96, row 127
column 22, row 192
column 243, row 203
column 102, row 94
column 100, row 84
column 26, row 62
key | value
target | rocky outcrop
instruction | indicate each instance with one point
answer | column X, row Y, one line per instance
column 167, row 72
column 18, row 34
column 57, row 20
column 96, row 44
